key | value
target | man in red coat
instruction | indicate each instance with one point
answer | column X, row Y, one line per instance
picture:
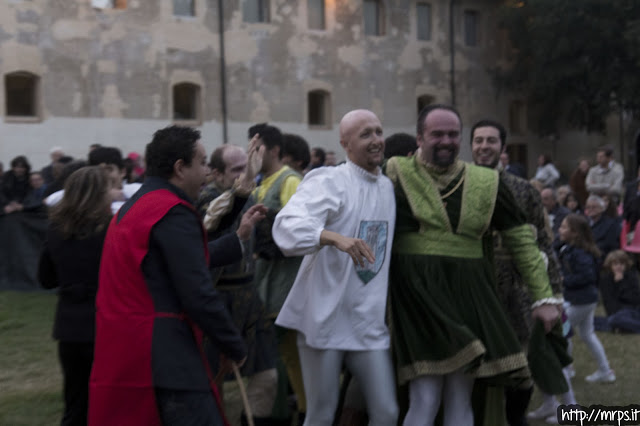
column 155, row 298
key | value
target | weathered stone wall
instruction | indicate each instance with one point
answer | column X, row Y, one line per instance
column 106, row 75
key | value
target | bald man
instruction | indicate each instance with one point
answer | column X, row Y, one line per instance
column 342, row 220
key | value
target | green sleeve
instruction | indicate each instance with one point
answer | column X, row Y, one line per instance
column 521, row 242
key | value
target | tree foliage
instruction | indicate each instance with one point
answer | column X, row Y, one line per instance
column 576, row 61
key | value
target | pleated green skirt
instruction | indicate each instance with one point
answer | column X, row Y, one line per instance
column 446, row 317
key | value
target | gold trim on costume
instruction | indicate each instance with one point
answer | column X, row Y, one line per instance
column 463, row 357
column 502, row 365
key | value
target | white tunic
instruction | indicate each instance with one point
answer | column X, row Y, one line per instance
column 329, row 302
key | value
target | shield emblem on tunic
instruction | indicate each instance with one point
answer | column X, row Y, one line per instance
column 375, row 234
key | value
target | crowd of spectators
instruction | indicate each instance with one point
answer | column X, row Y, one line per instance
column 25, row 194
column 612, row 210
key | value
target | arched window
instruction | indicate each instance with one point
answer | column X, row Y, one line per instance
column 319, row 108
column 186, row 102
column 374, row 17
column 424, row 100
column 21, row 94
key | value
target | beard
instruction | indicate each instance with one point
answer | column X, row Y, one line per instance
column 444, row 157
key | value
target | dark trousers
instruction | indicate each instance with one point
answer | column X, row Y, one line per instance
column 187, row 408
column 75, row 359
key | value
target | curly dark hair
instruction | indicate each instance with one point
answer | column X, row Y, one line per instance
column 169, row 145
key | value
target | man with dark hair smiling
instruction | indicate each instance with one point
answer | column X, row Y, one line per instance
column 488, row 140
column 155, row 298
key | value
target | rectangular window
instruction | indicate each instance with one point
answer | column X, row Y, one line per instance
column 186, row 101
column 471, row 28
column 423, row 15
column 373, row 17
column 318, row 103
column 315, row 12
column 20, row 92
column 184, row 8
column 256, row 11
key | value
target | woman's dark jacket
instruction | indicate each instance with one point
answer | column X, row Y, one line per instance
column 73, row 265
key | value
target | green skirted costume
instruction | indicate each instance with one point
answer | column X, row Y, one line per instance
column 445, row 313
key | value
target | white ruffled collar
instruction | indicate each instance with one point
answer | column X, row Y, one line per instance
column 362, row 172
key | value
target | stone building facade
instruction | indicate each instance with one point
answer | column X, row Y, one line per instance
column 114, row 71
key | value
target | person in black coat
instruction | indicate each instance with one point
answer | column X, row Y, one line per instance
column 70, row 261
column 15, row 185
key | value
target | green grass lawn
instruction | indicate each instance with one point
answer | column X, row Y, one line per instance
column 30, row 379
column 31, row 383
column 30, row 376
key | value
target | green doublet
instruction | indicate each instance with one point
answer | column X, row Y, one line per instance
column 445, row 313
column 436, row 236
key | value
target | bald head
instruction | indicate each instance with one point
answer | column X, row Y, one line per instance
column 361, row 137
column 350, row 120
column 228, row 162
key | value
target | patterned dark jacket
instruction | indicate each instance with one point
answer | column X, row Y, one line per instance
column 511, row 288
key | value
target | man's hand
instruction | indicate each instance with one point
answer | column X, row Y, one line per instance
column 226, row 366
column 548, row 314
column 354, row 247
column 252, row 216
column 13, row 206
column 246, row 182
column 256, row 154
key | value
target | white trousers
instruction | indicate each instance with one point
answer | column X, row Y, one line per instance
column 321, row 374
column 581, row 319
column 453, row 390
